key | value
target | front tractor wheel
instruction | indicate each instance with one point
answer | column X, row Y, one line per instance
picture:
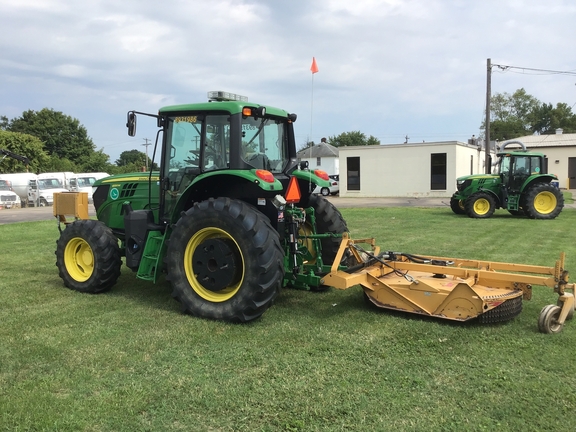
column 480, row 205
column 88, row 257
column 224, row 261
column 543, row 201
column 457, row 206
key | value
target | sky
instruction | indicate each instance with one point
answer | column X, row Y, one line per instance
column 388, row 68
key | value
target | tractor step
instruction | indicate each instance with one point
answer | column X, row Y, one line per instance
column 150, row 266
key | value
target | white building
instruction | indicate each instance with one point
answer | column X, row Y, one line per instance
column 407, row 170
column 321, row 156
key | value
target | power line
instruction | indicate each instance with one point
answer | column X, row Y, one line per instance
column 506, row 68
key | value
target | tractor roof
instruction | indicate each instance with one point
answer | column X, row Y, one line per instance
column 233, row 107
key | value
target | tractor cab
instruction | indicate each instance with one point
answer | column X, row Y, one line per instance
column 515, row 168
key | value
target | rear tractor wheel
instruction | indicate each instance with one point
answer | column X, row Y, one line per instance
column 480, row 205
column 88, row 257
column 328, row 220
column 224, row 261
column 543, row 201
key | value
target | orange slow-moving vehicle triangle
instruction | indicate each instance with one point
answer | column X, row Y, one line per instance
column 293, row 192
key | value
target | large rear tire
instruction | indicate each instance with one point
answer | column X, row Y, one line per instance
column 543, row 201
column 480, row 205
column 88, row 257
column 328, row 220
column 224, row 261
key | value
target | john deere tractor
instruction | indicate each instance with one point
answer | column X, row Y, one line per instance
column 522, row 186
column 217, row 218
column 230, row 219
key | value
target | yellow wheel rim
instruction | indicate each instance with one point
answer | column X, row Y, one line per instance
column 481, row 206
column 461, row 205
column 545, row 202
column 79, row 259
column 195, row 241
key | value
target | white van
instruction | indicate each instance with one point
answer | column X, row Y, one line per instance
column 8, row 198
column 19, row 182
column 41, row 191
column 83, row 182
column 64, row 177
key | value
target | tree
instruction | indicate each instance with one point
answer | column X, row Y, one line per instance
column 134, row 157
column 3, row 122
column 23, row 145
column 519, row 114
column 97, row 162
column 546, row 119
column 62, row 135
column 355, row 138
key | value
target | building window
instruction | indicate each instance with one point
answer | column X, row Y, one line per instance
column 353, row 173
column 318, row 161
column 438, row 171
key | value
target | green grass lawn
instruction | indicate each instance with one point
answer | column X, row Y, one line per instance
column 128, row 360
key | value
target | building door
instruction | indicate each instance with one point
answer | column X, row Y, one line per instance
column 572, row 173
column 438, row 171
column 353, row 173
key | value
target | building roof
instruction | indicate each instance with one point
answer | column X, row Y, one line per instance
column 318, row 150
column 554, row 140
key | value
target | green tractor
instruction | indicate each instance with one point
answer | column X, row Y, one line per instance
column 522, row 186
column 218, row 219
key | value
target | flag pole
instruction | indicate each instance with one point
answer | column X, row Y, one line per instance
column 314, row 70
column 311, row 107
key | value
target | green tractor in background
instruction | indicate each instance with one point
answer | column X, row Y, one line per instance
column 218, row 219
column 522, row 186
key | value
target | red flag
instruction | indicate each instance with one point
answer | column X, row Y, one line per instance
column 314, row 67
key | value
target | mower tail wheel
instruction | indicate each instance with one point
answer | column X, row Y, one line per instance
column 548, row 320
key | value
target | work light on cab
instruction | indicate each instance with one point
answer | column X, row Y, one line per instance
column 226, row 96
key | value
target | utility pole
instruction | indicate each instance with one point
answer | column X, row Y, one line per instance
column 146, row 144
column 487, row 157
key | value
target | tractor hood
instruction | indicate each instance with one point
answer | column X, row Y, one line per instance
column 483, row 180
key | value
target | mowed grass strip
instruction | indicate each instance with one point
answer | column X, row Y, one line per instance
column 129, row 360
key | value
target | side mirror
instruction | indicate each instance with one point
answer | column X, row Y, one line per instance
column 131, row 123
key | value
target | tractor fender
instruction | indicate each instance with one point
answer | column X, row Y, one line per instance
column 497, row 199
column 539, row 178
column 242, row 185
column 310, row 177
